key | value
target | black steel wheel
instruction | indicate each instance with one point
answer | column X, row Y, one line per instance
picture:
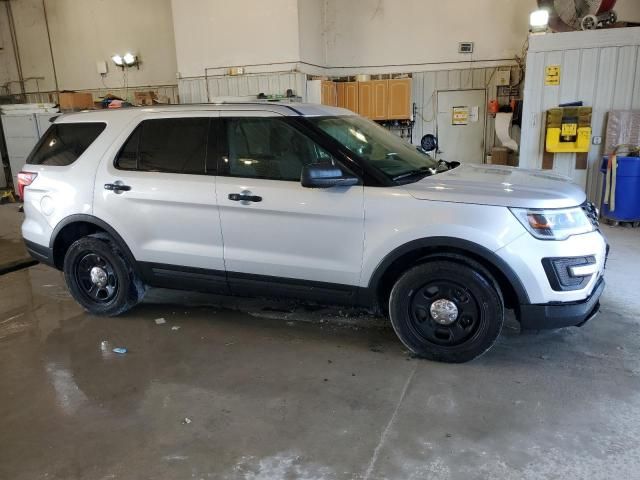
column 444, row 310
column 96, row 278
column 99, row 276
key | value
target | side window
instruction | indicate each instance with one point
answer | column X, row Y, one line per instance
column 63, row 143
column 177, row 145
column 269, row 148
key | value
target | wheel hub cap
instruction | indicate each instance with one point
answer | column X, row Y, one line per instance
column 444, row 311
column 98, row 276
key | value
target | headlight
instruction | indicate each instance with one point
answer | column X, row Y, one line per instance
column 554, row 224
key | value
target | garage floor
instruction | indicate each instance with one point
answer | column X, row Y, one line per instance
column 262, row 390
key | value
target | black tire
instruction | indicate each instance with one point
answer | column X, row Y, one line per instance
column 472, row 325
column 119, row 289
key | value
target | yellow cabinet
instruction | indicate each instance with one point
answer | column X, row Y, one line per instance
column 347, row 95
column 328, row 93
column 399, row 99
column 365, row 99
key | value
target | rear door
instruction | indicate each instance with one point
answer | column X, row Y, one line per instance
column 286, row 238
column 158, row 192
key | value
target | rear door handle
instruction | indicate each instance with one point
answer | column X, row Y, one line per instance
column 117, row 187
column 244, row 197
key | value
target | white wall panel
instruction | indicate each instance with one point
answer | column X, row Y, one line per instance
column 598, row 68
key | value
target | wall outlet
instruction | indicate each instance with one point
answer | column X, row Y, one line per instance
column 597, row 140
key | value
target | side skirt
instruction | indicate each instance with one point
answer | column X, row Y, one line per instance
column 250, row 285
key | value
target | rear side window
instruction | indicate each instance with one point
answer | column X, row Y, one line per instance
column 63, row 143
column 176, row 145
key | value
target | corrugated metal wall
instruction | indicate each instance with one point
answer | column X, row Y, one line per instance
column 601, row 69
column 425, row 94
column 194, row 90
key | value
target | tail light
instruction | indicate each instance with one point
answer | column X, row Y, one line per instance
column 24, row 180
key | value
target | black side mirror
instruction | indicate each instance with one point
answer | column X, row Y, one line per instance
column 325, row 175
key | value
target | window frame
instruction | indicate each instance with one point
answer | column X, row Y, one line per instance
column 210, row 144
column 293, row 122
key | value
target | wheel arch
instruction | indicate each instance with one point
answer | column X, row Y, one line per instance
column 421, row 250
column 76, row 226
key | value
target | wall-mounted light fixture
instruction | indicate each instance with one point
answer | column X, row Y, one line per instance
column 127, row 60
column 539, row 21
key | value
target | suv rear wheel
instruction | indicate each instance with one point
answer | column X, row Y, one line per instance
column 99, row 276
column 447, row 311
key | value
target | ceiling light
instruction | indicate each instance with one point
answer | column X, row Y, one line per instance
column 539, row 19
column 117, row 59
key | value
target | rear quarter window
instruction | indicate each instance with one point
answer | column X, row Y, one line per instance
column 63, row 143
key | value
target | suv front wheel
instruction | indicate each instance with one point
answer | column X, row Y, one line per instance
column 99, row 276
column 447, row 311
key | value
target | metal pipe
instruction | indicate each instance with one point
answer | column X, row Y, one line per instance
column 53, row 62
column 14, row 44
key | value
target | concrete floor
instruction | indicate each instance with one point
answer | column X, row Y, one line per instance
column 267, row 390
column 12, row 251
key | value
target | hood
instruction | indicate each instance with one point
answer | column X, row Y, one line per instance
column 499, row 185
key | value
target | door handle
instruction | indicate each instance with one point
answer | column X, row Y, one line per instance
column 117, row 187
column 243, row 197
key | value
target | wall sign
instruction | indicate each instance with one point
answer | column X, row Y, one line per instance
column 460, row 116
column 552, row 75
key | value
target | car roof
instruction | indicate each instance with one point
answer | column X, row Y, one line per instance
column 278, row 108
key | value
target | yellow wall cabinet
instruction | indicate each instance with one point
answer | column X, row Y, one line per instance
column 347, row 94
column 399, row 99
column 374, row 99
column 329, row 93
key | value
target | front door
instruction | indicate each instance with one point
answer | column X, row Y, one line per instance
column 158, row 193
column 461, row 118
column 279, row 236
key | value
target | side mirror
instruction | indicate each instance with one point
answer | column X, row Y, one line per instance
column 325, row 175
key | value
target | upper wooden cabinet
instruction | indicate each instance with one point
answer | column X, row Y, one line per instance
column 380, row 99
column 365, row 99
column 347, row 94
column 374, row 99
column 399, row 99
column 329, row 93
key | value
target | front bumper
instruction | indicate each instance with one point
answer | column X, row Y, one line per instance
column 557, row 315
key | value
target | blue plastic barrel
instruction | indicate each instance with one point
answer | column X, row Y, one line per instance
column 627, row 190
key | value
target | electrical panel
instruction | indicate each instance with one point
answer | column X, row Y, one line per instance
column 503, row 77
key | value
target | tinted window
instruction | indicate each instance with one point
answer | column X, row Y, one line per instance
column 268, row 148
column 63, row 143
column 177, row 145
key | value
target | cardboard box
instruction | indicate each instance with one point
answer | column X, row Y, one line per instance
column 144, row 98
column 70, row 101
column 500, row 156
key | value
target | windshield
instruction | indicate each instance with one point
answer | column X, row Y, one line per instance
column 377, row 146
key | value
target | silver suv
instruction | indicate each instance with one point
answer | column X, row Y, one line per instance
column 309, row 202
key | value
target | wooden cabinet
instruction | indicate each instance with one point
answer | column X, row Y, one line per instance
column 374, row 99
column 329, row 93
column 380, row 99
column 347, row 94
column 399, row 99
column 365, row 99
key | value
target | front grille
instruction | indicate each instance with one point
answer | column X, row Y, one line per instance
column 557, row 270
column 592, row 212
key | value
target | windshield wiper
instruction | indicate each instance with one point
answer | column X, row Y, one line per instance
column 419, row 171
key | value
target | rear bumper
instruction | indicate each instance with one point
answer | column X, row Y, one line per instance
column 558, row 315
column 40, row 253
